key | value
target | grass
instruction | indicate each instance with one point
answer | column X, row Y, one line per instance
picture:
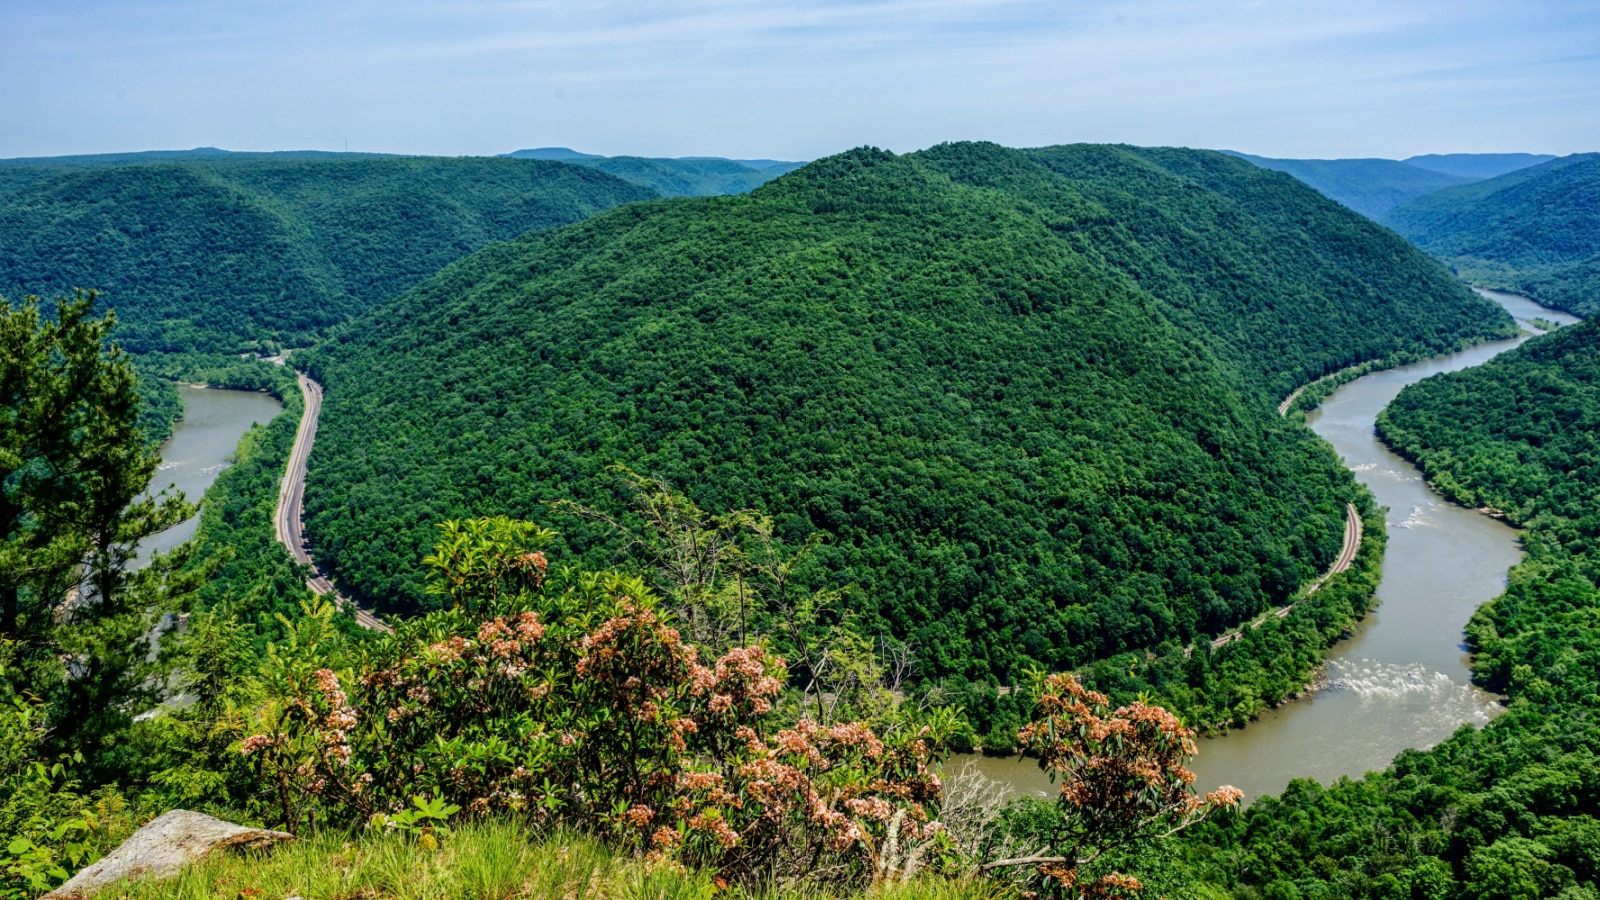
column 492, row 860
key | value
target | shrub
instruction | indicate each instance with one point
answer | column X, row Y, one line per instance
column 567, row 697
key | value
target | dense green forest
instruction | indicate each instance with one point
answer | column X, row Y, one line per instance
column 1519, row 435
column 1371, row 187
column 1508, row 811
column 550, row 717
column 1535, row 231
column 248, row 252
column 687, row 177
column 1027, row 395
column 1281, row 282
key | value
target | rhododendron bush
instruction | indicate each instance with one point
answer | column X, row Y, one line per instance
column 1123, row 781
column 567, row 696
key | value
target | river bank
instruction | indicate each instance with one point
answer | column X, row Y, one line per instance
column 1401, row 680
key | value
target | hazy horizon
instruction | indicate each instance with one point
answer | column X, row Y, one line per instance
column 798, row 81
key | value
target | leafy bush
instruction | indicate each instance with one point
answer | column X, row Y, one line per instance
column 565, row 697
column 45, row 824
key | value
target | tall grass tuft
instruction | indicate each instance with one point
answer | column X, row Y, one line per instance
column 498, row 859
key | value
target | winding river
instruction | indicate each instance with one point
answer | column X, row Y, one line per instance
column 201, row 446
column 1402, row 679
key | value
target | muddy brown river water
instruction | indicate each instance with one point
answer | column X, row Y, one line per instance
column 1401, row 680
column 201, row 446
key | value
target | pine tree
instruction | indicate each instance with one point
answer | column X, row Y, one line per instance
column 80, row 619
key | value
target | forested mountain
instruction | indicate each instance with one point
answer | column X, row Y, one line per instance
column 1285, row 284
column 1508, row 810
column 21, row 171
column 1535, row 231
column 695, row 176
column 227, row 252
column 1027, row 395
column 1371, row 187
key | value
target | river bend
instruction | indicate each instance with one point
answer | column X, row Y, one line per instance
column 1402, row 680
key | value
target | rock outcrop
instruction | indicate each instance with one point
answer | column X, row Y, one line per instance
column 162, row 847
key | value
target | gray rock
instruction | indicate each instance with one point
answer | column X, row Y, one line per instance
column 161, row 848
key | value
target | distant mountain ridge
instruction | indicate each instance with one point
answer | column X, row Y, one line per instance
column 1477, row 165
column 198, row 153
column 213, row 251
column 687, row 176
column 1373, row 187
column 1535, row 231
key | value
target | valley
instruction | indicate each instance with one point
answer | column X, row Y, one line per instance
column 1024, row 409
column 1008, row 387
column 287, row 515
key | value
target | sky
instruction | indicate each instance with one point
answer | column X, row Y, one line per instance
column 799, row 80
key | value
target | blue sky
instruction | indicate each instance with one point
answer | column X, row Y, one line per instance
column 797, row 80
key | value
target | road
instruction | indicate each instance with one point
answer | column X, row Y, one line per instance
column 287, row 521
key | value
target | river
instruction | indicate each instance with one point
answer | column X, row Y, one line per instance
column 1402, row 680
column 201, row 446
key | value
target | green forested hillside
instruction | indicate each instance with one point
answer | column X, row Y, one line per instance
column 231, row 252
column 1535, row 231
column 1371, row 187
column 1028, row 394
column 695, row 176
column 1512, row 810
column 1520, row 434
column 1283, row 282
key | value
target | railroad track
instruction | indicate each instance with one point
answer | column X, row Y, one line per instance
column 1347, row 555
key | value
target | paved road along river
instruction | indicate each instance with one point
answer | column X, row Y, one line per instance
column 1402, row 680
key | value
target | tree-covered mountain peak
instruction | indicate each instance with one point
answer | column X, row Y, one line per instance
column 1028, row 395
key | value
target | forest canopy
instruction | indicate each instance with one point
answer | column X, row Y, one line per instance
column 252, row 252
column 1032, row 391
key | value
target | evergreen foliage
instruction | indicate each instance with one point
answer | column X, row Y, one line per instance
column 78, row 623
column 1027, row 395
column 1535, row 231
column 230, row 253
